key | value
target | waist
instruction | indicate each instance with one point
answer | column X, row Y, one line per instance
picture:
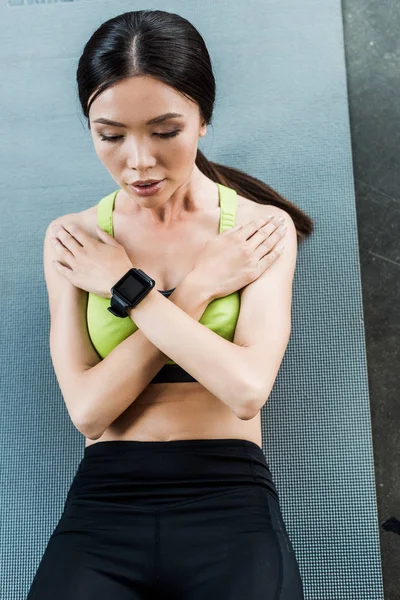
column 164, row 471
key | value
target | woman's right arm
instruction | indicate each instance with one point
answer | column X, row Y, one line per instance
column 96, row 391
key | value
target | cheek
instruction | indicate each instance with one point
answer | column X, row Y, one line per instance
column 101, row 150
column 183, row 151
column 109, row 157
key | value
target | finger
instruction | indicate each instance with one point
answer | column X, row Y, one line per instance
column 60, row 267
column 266, row 233
column 63, row 240
column 77, row 233
column 232, row 229
column 104, row 235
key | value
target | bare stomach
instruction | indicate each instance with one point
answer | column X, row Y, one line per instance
column 179, row 411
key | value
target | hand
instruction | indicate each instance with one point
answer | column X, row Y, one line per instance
column 238, row 256
column 89, row 264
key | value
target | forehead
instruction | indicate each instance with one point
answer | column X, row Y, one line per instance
column 138, row 99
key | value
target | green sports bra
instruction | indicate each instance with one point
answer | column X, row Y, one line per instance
column 106, row 331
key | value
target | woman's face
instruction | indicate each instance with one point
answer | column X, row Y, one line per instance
column 141, row 150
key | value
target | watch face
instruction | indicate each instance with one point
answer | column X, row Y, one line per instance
column 130, row 286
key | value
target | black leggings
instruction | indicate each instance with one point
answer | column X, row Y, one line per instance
column 186, row 519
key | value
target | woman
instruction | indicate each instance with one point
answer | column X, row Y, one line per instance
column 158, row 371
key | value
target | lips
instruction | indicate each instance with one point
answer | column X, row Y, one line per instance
column 147, row 190
column 147, row 181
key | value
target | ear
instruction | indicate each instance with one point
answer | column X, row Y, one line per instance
column 203, row 129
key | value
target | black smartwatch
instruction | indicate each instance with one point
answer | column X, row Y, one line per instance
column 129, row 291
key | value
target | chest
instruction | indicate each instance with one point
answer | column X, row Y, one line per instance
column 168, row 256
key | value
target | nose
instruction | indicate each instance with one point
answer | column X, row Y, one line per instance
column 140, row 157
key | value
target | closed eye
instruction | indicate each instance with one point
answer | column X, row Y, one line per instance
column 105, row 138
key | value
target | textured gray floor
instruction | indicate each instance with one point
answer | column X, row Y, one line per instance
column 372, row 47
column 373, row 89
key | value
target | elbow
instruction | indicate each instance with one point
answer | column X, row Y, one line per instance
column 248, row 406
column 251, row 403
column 88, row 420
column 93, row 435
column 87, row 428
column 246, row 415
column 90, row 433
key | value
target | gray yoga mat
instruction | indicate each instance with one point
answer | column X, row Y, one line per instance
column 282, row 115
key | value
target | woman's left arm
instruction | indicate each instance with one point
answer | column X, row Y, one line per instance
column 216, row 363
column 239, row 373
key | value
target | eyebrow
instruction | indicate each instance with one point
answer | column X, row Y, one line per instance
column 164, row 117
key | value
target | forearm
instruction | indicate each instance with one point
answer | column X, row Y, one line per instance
column 124, row 373
column 219, row 365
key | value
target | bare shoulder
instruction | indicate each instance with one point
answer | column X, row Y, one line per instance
column 85, row 219
column 248, row 209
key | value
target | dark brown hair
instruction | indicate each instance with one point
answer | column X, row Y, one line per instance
column 169, row 48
